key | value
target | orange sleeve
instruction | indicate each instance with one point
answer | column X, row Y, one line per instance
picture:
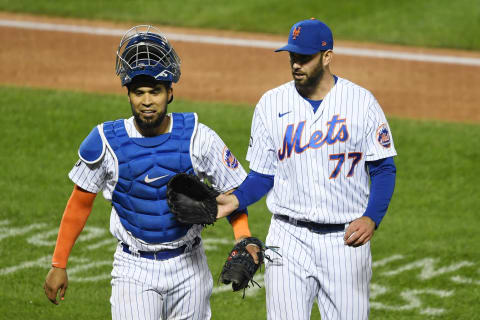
column 74, row 218
column 240, row 226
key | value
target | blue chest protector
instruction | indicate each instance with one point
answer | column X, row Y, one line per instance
column 145, row 165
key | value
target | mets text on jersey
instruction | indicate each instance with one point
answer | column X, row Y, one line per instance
column 293, row 141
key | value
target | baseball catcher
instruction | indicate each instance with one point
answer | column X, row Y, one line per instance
column 191, row 200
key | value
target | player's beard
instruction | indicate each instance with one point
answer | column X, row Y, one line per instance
column 308, row 85
column 147, row 124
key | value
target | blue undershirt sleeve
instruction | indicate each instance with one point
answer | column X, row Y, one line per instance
column 382, row 176
column 253, row 188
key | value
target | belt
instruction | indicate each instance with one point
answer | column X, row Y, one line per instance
column 162, row 254
column 312, row 226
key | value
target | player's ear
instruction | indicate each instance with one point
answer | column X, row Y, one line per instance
column 170, row 94
column 327, row 58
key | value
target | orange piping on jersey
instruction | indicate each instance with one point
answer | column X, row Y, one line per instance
column 292, row 138
column 357, row 156
column 342, row 134
column 339, row 165
column 296, row 139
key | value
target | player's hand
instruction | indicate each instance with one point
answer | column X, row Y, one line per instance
column 252, row 249
column 359, row 232
column 57, row 279
column 227, row 203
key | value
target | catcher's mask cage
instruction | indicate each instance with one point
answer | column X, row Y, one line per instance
column 143, row 50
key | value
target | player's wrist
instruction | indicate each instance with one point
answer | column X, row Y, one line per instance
column 371, row 219
column 240, row 238
column 235, row 203
column 234, row 199
column 59, row 267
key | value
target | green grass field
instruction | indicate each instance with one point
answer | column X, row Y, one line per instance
column 440, row 23
column 426, row 252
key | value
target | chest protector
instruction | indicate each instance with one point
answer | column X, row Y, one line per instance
column 145, row 165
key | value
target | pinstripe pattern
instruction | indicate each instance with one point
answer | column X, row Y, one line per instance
column 302, row 188
column 177, row 288
column 316, row 266
column 318, row 160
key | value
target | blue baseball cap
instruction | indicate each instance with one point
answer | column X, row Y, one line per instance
column 308, row 37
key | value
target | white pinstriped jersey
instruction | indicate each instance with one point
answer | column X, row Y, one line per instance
column 318, row 159
column 207, row 152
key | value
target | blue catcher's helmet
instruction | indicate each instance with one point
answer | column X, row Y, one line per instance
column 143, row 50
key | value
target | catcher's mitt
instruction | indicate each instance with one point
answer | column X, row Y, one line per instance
column 240, row 268
column 191, row 200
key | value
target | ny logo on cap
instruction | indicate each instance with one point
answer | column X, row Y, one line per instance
column 296, row 32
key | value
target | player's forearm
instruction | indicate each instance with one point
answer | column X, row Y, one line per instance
column 74, row 218
column 240, row 226
column 382, row 173
column 253, row 188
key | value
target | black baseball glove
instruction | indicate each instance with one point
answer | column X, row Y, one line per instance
column 191, row 200
column 240, row 268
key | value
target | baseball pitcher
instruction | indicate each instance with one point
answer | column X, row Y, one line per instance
column 322, row 150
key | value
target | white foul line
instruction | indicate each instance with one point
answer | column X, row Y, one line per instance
column 369, row 53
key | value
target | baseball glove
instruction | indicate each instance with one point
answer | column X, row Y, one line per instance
column 191, row 200
column 240, row 268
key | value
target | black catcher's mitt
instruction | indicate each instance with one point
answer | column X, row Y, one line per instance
column 191, row 200
column 240, row 268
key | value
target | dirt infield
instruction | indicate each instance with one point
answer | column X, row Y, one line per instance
column 210, row 72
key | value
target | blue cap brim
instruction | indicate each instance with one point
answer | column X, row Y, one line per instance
column 295, row 49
